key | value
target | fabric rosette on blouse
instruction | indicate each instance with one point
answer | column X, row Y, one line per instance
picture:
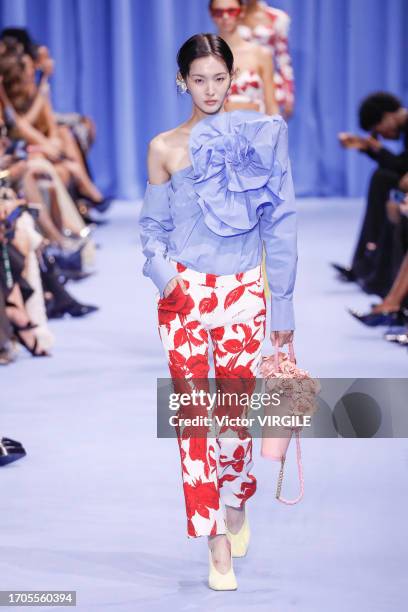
column 236, row 171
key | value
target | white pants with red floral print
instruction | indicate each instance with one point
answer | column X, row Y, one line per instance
column 231, row 310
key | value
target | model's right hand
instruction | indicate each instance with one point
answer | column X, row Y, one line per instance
column 171, row 285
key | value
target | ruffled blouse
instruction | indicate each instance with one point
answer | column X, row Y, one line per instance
column 215, row 215
column 236, row 169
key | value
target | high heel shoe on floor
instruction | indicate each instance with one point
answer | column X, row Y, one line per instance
column 10, row 450
column 28, row 326
column 31, row 349
column 372, row 319
column 240, row 541
column 218, row 581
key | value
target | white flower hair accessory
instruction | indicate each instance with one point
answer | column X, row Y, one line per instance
column 181, row 84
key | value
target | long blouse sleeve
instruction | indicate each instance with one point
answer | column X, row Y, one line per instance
column 278, row 227
column 155, row 224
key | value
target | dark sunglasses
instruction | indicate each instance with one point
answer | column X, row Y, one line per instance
column 231, row 12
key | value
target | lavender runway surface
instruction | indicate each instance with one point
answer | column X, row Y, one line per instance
column 97, row 507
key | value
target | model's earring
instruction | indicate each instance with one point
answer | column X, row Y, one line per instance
column 181, row 84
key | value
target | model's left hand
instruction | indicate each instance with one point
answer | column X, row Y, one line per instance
column 283, row 337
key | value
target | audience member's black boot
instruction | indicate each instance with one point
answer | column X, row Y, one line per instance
column 72, row 308
column 49, row 265
column 10, row 450
column 65, row 260
column 345, row 274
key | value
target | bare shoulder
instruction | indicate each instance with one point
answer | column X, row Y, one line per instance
column 159, row 156
column 157, row 145
column 156, row 158
column 161, row 146
column 168, row 151
column 281, row 18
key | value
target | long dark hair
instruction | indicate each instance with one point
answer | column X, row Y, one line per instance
column 203, row 45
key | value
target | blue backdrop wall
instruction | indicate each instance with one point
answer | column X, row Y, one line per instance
column 115, row 60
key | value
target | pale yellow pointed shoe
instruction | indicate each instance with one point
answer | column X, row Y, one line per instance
column 240, row 541
column 219, row 581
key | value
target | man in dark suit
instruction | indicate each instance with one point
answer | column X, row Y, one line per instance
column 381, row 114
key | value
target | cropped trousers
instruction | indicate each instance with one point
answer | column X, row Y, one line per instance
column 229, row 310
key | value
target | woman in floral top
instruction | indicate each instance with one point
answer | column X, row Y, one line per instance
column 269, row 27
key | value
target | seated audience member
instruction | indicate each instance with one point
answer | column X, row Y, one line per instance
column 381, row 114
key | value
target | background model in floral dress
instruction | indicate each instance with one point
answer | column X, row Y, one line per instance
column 269, row 27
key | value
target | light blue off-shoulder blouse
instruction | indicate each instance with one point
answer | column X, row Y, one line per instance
column 236, row 195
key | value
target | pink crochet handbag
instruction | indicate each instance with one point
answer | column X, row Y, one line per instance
column 281, row 373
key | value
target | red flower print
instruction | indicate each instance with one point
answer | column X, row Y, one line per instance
column 233, row 296
column 177, row 301
column 247, row 331
column 247, row 489
column 191, row 529
column 177, row 364
column 241, row 372
column 226, row 478
column 217, row 333
column 252, row 346
column 237, row 463
column 165, row 317
column 261, row 315
column 204, row 335
column 199, row 497
column 208, row 304
column 198, row 365
column 183, row 458
column 180, row 337
column 257, row 293
column 210, row 280
column 198, row 446
column 233, row 346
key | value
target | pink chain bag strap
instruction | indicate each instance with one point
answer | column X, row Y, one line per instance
column 280, row 370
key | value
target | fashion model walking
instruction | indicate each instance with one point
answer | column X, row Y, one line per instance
column 219, row 187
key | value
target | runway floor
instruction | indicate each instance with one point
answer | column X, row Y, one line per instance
column 97, row 507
